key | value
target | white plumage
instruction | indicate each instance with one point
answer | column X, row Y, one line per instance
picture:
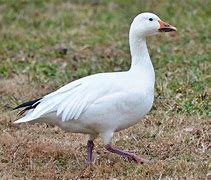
column 106, row 102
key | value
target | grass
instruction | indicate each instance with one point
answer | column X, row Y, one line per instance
column 47, row 44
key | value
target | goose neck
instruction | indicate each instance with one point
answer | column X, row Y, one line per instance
column 139, row 51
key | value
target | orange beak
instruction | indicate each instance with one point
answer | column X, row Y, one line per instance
column 165, row 27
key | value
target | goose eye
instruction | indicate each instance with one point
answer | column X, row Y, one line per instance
column 150, row 19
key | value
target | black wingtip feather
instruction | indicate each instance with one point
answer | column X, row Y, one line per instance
column 28, row 104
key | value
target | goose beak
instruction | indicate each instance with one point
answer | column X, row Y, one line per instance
column 165, row 27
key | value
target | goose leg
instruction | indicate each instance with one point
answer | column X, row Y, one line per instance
column 129, row 155
column 90, row 147
column 107, row 137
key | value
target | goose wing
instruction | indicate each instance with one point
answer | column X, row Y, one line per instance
column 71, row 100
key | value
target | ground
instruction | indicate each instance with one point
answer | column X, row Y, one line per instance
column 45, row 44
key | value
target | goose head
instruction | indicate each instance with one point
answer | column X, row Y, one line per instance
column 146, row 24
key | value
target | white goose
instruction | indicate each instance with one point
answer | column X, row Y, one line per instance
column 105, row 103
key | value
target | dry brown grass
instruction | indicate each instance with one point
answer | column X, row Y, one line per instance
column 177, row 144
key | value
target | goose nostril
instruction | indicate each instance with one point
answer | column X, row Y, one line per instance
column 166, row 25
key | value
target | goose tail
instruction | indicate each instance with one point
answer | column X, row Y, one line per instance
column 24, row 120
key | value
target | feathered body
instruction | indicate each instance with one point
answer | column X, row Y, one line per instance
column 97, row 103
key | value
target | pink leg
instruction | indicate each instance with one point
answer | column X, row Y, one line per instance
column 129, row 155
column 90, row 146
